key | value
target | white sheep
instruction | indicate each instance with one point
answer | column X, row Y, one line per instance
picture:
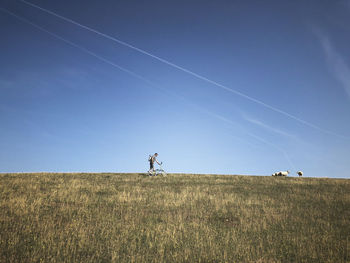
column 281, row 173
column 300, row 173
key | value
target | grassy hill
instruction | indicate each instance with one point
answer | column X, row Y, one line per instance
column 49, row 217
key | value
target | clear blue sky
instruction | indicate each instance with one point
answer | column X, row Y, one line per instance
column 65, row 110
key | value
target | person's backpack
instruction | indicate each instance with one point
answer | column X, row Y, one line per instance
column 149, row 157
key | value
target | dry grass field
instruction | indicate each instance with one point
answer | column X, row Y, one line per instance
column 49, row 217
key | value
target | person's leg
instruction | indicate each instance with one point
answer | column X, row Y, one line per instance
column 151, row 168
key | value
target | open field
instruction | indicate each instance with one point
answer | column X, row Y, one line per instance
column 179, row 218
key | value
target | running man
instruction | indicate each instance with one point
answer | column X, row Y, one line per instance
column 152, row 159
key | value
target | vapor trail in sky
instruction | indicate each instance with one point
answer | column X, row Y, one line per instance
column 307, row 123
column 77, row 46
column 152, row 84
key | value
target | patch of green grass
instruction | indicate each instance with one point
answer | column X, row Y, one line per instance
column 179, row 218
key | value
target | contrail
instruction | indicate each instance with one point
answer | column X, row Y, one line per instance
column 223, row 119
column 152, row 84
column 79, row 47
column 188, row 71
column 286, row 156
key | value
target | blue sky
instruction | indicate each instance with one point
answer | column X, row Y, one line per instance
column 255, row 86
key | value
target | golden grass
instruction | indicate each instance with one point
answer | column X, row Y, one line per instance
column 179, row 218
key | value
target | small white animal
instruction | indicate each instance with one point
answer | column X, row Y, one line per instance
column 300, row 173
column 281, row 173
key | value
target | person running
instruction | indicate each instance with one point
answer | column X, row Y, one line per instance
column 152, row 159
